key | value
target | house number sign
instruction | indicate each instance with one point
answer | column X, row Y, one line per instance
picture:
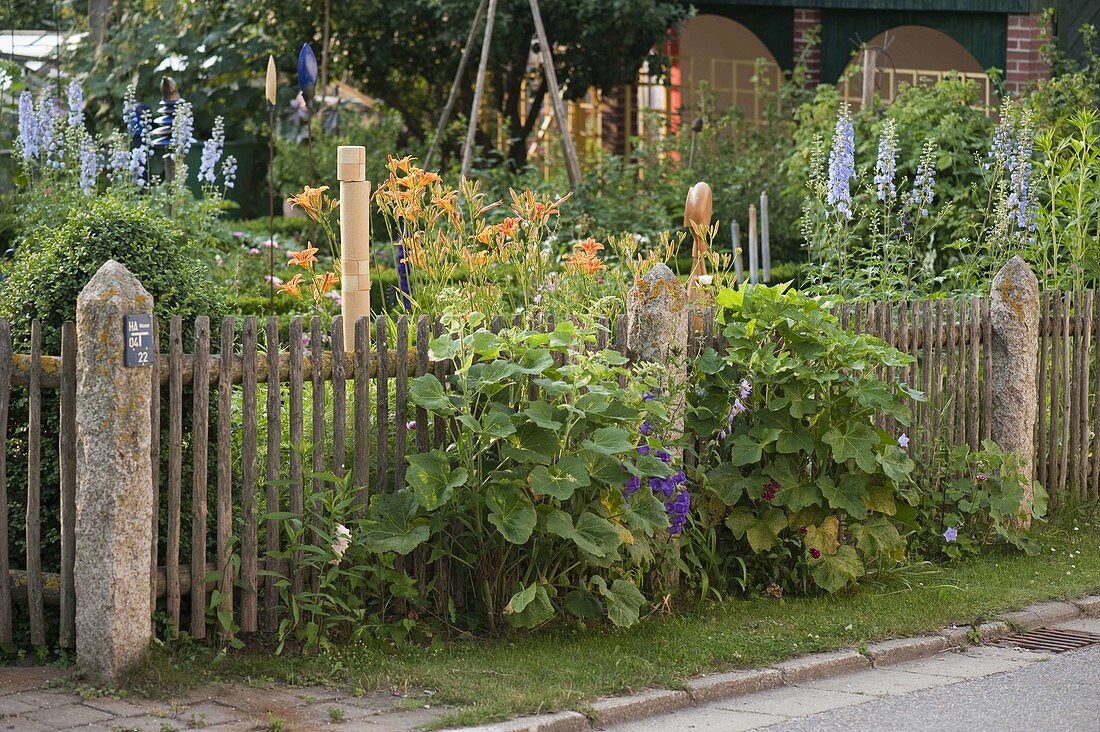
column 138, row 331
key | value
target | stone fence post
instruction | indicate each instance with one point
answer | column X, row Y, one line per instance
column 114, row 492
column 657, row 315
column 1014, row 312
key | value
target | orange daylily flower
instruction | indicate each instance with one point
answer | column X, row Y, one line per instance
column 293, row 286
column 589, row 246
column 310, row 200
column 393, row 164
column 304, row 258
column 485, row 236
column 509, row 226
column 584, row 263
column 325, row 282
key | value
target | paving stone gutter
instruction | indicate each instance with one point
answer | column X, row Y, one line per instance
column 717, row 686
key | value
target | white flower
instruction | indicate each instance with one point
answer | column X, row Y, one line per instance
column 5, row 80
column 705, row 280
column 343, row 541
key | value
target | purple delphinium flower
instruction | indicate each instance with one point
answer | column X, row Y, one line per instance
column 643, row 449
column 646, row 428
column 28, row 127
column 663, row 456
column 647, row 396
column 74, row 96
column 886, row 163
column 212, row 152
column 951, row 534
column 842, row 164
column 924, row 185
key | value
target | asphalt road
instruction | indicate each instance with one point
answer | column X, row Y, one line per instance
column 1059, row 695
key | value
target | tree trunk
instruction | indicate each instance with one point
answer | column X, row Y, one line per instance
column 98, row 12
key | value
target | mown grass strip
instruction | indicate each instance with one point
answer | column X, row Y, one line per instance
column 569, row 667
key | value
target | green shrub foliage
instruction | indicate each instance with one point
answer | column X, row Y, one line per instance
column 796, row 464
column 46, row 279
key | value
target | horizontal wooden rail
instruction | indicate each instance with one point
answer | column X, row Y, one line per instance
column 51, row 585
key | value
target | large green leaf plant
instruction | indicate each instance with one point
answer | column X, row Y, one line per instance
column 524, row 500
column 794, row 454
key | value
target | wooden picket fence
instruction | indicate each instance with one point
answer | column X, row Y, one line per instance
column 950, row 341
column 220, row 468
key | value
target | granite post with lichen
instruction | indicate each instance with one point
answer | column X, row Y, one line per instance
column 1014, row 312
column 114, row 492
column 658, row 312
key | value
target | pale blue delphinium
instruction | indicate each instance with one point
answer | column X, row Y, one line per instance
column 886, row 162
column 29, row 138
column 842, row 164
column 924, row 185
column 212, row 152
column 229, row 171
column 74, row 97
column 52, row 153
column 183, row 128
column 1020, row 201
column 89, row 168
column 951, row 534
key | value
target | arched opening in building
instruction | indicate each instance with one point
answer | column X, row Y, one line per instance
column 915, row 55
column 715, row 61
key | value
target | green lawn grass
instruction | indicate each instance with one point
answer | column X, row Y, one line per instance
column 566, row 667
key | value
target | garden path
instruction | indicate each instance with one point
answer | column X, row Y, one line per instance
column 40, row 698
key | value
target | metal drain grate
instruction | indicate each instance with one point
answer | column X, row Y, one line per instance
column 1050, row 640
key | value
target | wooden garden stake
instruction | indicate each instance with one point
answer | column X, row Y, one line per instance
column 351, row 171
column 754, row 259
column 697, row 213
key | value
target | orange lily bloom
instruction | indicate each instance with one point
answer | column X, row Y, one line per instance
column 325, row 282
column 509, row 226
column 293, row 286
column 303, row 258
column 310, row 200
column 589, row 246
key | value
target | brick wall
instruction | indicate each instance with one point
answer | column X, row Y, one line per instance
column 804, row 20
column 1024, row 64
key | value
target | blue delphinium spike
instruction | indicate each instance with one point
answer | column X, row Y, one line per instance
column 307, row 73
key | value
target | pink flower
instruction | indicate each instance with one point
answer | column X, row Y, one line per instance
column 253, row 251
column 411, row 425
column 982, row 477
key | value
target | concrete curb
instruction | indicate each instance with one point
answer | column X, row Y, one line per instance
column 1089, row 605
column 822, row 665
column 621, row 709
column 900, row 650
column 718, row 686
column 714, row 687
